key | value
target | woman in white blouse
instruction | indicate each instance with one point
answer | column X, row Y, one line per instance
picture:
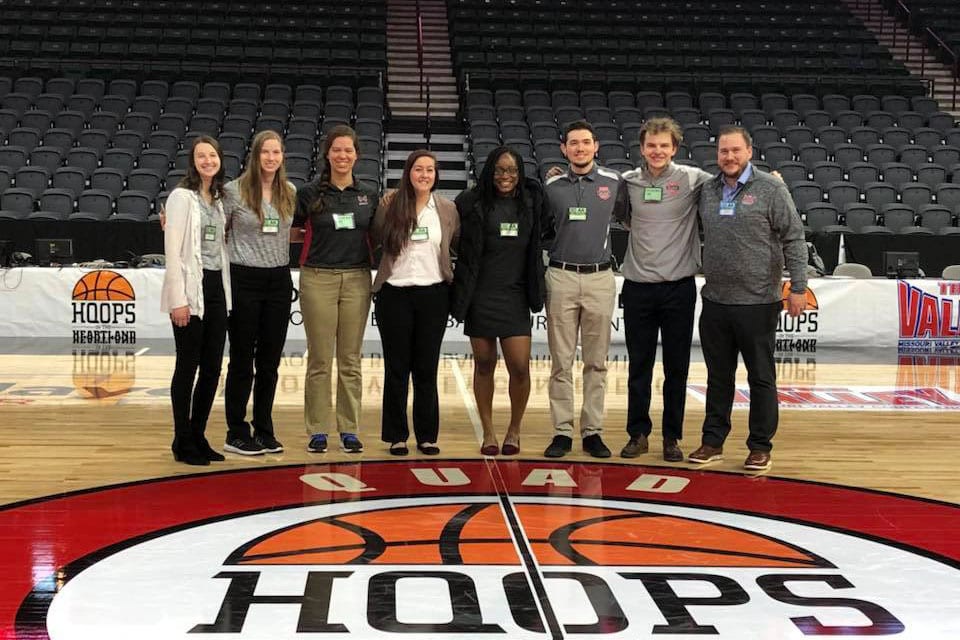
column 416, row 230
column 196, row 294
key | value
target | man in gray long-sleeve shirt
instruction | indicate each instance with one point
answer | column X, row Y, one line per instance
column 659, row 293
column 751, row 229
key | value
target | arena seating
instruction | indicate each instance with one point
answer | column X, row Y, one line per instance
column 119, row 146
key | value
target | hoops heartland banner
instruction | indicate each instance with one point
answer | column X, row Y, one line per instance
column 103, row 307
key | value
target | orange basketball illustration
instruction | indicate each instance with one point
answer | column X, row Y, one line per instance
column 812, row 304
column 558, row 535
column 103, row 286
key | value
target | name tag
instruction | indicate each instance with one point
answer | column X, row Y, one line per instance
column 577, row 213
column 271, row 225
column 209, row 233
column 420, row 234
column 509, row 229
column 728, row 208
column 343, row 221
column 652, row 194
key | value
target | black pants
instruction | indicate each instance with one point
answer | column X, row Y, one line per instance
column 258, row 331
column 199, row 347
column 750, row 330
column 412, row 321
column 649, row 309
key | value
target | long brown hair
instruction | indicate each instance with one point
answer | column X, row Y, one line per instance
column 400, row 217
column 339, row 131
column 251, row 188
column 192, row 180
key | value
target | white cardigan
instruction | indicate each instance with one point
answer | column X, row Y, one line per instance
column 183, row 279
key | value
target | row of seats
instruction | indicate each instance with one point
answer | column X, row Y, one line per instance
column 707, row 101
column 890, row 218
column 30, row 88
column 87, row 11
column 682, row 80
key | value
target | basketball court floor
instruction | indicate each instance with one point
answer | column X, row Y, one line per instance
column 854, row 531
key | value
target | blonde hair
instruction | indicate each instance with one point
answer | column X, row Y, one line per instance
column 249, row 182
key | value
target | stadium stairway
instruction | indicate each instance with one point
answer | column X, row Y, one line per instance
column 921, row 62
column 403, row 74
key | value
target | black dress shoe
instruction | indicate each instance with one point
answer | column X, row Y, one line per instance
column 595, row 447
column 559, row 447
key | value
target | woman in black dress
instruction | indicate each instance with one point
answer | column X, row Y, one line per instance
column 498, row 282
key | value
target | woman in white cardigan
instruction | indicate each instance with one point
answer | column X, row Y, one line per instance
column 196, row 294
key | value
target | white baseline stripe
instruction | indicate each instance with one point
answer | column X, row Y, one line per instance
column 467, row 396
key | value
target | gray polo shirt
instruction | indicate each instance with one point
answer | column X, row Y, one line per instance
column 664, row 244
column 581, row 209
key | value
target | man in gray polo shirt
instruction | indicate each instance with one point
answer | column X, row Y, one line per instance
column 751, row 231
column 659, row 293
column 581, row 290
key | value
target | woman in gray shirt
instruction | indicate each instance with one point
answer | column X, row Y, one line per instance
column 259, row 206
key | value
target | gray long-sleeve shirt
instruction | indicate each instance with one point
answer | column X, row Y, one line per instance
column 744, row 251
column 664, row 244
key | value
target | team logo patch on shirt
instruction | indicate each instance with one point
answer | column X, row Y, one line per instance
column 673, row 188
column 749, row 199
column 362, row 201
column 603, row 192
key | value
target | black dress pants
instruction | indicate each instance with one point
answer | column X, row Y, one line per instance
column 649, row 309
column 748, row 330
column 412, row 321
column 258, row 331
column 199, row 348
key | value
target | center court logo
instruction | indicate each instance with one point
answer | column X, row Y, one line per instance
column 527, row 551
column 104, row 309
column 798, row 335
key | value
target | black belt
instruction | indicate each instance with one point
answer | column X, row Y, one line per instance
column 580, row 268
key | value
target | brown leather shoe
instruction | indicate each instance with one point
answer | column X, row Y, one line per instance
column 635, row 447
column 757, row 461
column 706, row 454
column 671, row 451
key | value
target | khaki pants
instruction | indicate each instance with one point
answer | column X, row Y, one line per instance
column 578, row 305
column 335, row 304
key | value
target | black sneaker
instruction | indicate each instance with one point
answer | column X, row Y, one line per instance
column 244, row 446
column 559, row 447
column 595, row 447
column 268, row 443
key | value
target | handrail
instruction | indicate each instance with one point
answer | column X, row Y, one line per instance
column 427, row 123
column 956, row 63
column 420, row 47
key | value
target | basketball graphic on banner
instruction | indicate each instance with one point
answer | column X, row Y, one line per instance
column 103, row 286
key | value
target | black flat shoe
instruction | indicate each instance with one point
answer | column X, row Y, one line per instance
column 428, row 449
column 399, row 449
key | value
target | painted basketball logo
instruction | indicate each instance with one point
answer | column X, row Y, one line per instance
column 478, row 534
column 384, row 550
column 810, row 296
column 103, row 285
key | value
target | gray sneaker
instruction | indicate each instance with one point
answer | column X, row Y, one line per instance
column 636, row 446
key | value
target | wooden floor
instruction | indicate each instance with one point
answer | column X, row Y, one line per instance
column 71, row 422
